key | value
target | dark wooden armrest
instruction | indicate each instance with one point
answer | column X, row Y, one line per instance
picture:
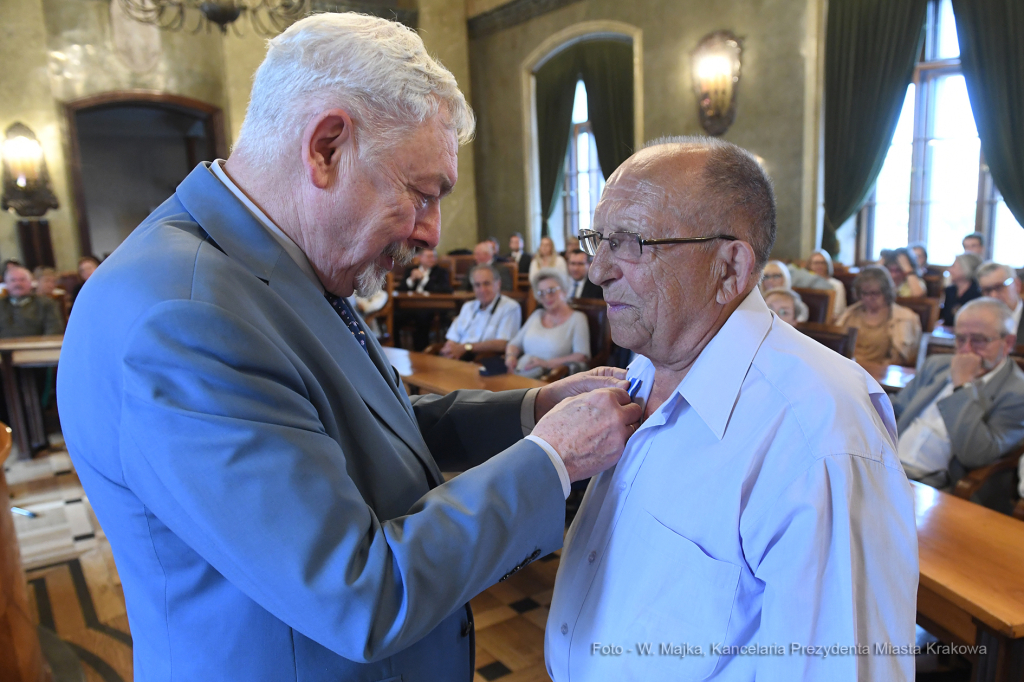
column 1018, row 511
column 555, row 374
column 972, row 482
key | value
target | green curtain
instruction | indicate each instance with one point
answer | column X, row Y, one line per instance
column 870, row 51
column 556, row 89
column 991, row 34
column 607, row 69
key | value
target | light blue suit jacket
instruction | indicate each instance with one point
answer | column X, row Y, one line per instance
column 270, row 493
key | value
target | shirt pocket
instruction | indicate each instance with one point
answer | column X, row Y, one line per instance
column 681, row 604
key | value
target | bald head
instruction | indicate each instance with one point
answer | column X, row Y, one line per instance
column 710, row 185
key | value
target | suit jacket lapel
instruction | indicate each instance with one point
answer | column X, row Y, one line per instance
column 239, row 235
column 924, row 398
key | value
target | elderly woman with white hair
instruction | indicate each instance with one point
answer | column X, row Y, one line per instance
column 964, row 287
column 820, row 263
column 787, row 305
column 554, row 335
column 775, row 276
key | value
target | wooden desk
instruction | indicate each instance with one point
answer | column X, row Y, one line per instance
column 408, row 300
column 12, row 393
column 972, row 580
column 21, row 659
column 434, row 374
column 893, row 378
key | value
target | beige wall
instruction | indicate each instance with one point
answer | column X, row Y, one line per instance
column 55, row 51
column 780, row 55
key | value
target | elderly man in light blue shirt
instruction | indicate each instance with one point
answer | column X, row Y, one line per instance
column 759, row 524
column 486, row 323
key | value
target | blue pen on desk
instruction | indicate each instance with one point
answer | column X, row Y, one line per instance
column 634, row 387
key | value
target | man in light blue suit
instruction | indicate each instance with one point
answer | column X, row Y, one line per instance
column 272, row 497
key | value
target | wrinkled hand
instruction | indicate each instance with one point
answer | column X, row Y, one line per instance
column 578, row 384
column 534, row 361
column 590, row 431
column 452, row 350
column 416, row 275
column 510, row 363
column 965, row 367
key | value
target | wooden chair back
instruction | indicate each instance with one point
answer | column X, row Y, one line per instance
column 600, row 331
column 459, row 267
column 513, row 271
column 448, row 264
column 820, row 304
column 841, row 340
column 847, row 277
column 926, row 308
column 933, row 286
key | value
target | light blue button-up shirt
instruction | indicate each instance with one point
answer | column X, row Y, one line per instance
column 758, row 523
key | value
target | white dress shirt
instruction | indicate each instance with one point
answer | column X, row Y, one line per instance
column 762, row 505
column 499, row 319
column 925, row 447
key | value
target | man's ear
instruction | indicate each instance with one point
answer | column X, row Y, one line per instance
column 735, row 264
column 324, row 141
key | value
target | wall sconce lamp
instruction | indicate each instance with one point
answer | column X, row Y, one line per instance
column 27, row 192
column 26, row 182
column 716, row 79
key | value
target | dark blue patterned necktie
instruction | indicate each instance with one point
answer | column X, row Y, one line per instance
column 341, row 306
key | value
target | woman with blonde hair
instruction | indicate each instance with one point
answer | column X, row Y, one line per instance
column 547, row 258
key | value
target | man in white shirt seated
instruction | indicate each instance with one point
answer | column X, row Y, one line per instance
column 1000, row 281
column 759, row 514
column 484, row 325
column 965, row 411
column 580, row 286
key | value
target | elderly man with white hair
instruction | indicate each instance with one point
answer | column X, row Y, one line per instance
column 966, row 410
column 1001, row 282
column 758, row 525
column 272, row 497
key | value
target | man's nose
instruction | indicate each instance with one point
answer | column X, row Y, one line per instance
column 427, row 233
column 603, row 269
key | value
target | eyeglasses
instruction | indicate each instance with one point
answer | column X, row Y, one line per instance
column 629, row 246
column 541, row 293
column 996, row 288
column 870, row 294
column 976, row 341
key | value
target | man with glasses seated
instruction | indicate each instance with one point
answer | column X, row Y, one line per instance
column 965, row 411
column 1000, row 281
column 761, row 502
column 485, row 324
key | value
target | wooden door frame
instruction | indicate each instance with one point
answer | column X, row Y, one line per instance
column 212, row 117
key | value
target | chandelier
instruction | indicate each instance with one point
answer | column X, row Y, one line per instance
column 267, row 17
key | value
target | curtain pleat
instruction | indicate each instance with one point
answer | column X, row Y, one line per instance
column 870, row 52
column 607, row 69
column 991, row 34
column 555, row 84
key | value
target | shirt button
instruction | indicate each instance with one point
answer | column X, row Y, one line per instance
column 565, row 629
column 590, row 559
column 622, row 486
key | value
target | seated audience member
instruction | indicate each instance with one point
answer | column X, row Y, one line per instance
column 46, row 282
column 974, row 243
column 820, row 263
column 483, row 254
column 486, row 323
column 580, row 285
column 546, row 258
column 776, row 276
column 554, row 335
column 902, row 266
column 963, row 411
column 964, row 286
column 921, row 255
column 787, row 304
column 496, row 249
column 887, row 333
column 517, row 253
column 369, row 305
column 427, row 277
column 23, row 313
column 86, row 266
column 571, row 244
column 1000, row 281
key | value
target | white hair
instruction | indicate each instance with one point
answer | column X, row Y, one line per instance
column 550, row 273
column 998, row 309
column 376, row 70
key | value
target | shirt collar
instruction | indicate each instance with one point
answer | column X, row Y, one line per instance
column 712, row 385
column 289, row 246
column 987, row 377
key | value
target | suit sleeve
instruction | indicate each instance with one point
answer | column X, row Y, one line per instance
column 978, row 441
column 220, row 439
column 838, row 557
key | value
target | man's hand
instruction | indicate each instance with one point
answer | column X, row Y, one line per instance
column 452, row 350
column 578, row 384
column 416, row 275
column 590, row 431
column 965, row 367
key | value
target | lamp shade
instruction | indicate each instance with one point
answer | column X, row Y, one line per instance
column 716, row 66
column 26, row 181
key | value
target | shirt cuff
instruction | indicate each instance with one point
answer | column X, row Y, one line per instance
column 556, row 461
column 526, row 413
